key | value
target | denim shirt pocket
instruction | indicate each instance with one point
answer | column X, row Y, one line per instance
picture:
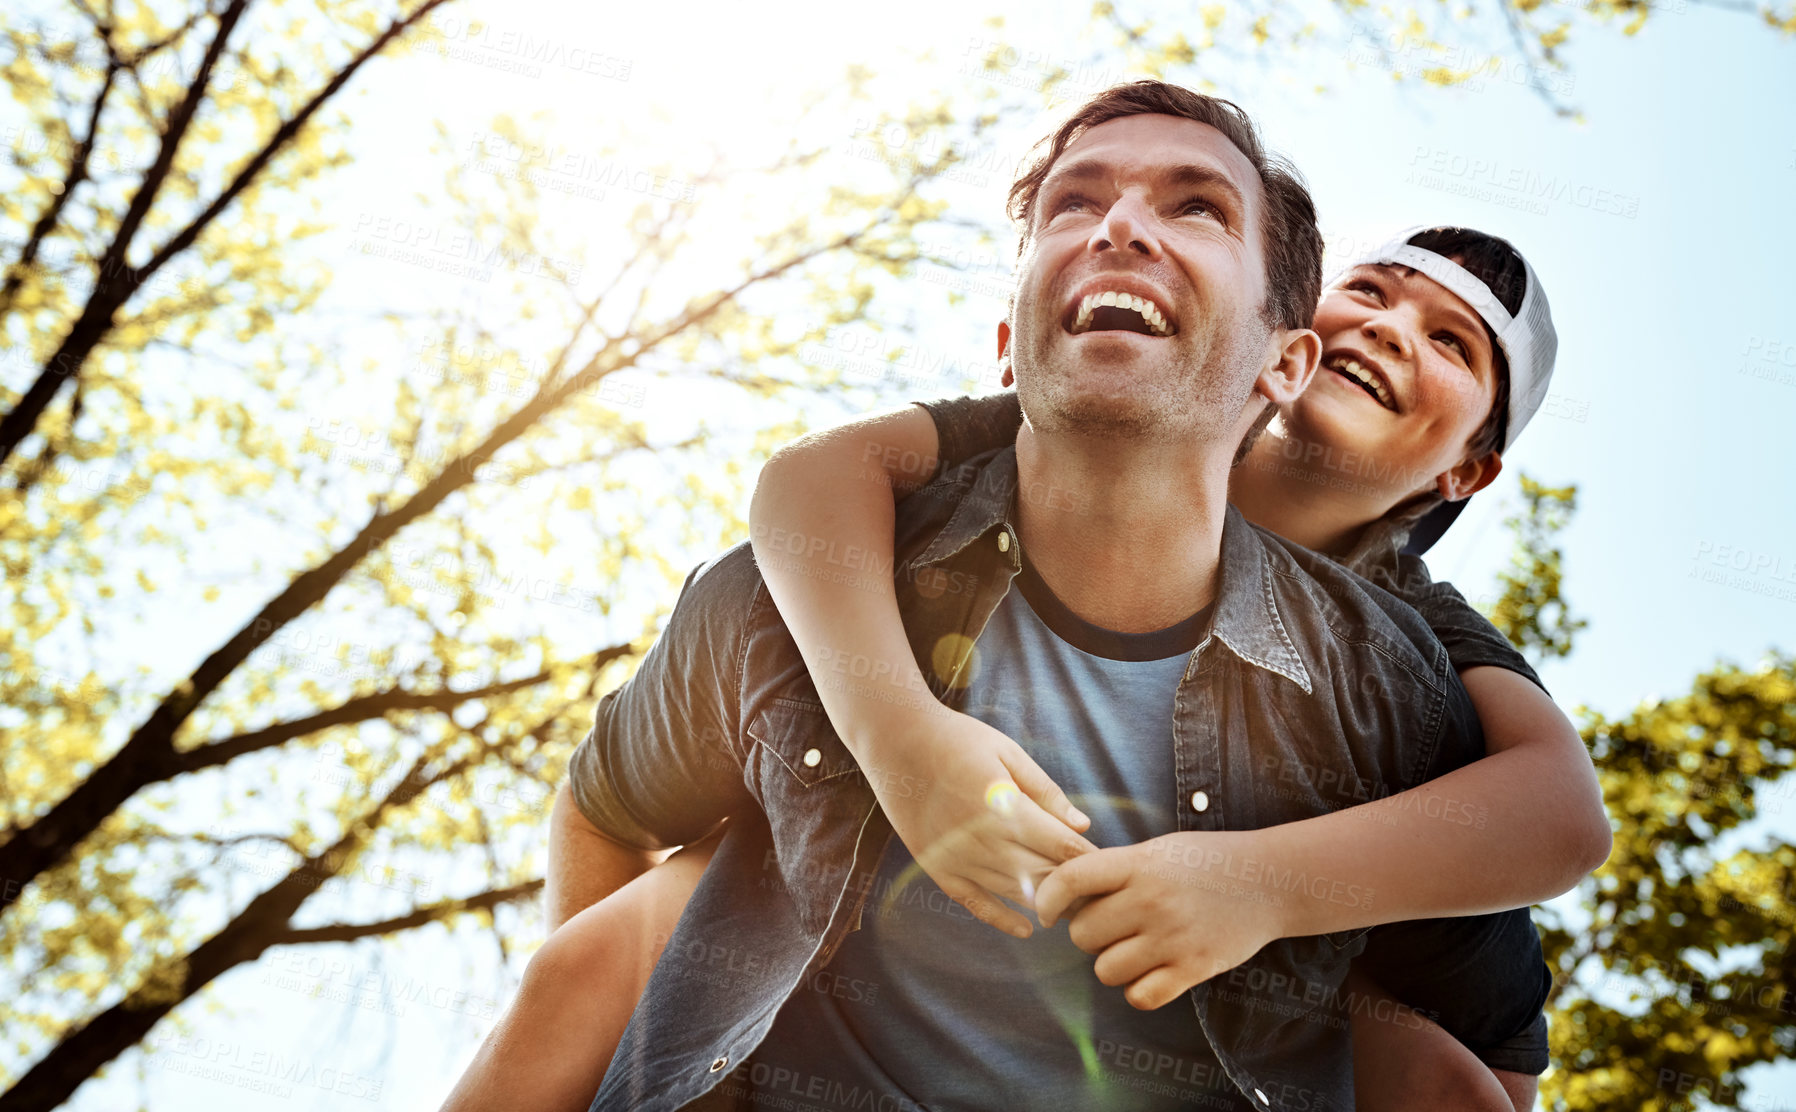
column 794, row 734
column 815, row 799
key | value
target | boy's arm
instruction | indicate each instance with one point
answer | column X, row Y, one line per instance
column 821, row 523
column 1169, row 912
column 1522, row 825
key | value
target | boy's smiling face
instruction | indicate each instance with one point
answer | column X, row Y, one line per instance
column 1408, row 376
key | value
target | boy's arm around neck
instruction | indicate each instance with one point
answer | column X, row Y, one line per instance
column 1521, row 825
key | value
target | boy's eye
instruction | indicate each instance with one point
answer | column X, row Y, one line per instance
column 1457, row 344
column 1365, row 286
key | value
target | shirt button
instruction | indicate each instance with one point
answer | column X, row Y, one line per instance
column 1200, row 801
column 720, row 1063
column 1004, row 541
column 812, row 757
column 1262, row 1097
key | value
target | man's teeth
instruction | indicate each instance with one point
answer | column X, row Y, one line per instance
column 1156, row 321
column 1352, row 369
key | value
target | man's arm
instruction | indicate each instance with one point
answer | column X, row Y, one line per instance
column 661, row 766
column 584, row 865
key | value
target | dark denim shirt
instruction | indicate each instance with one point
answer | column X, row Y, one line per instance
column 1312, row 690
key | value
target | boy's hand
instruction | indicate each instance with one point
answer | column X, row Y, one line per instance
column 1162, row 915
column 989, row 823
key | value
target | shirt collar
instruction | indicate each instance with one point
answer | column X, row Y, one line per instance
column 990, row 492
column 1246, row 616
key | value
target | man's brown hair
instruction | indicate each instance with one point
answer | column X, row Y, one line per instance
column 1289, row 239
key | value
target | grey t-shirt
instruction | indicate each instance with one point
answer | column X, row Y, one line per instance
column 967, row 426
column 925, row 1006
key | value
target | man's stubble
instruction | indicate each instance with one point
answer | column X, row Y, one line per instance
column 1193, row 391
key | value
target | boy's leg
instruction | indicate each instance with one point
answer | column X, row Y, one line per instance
column 1403, row 1062
column 550, row 1050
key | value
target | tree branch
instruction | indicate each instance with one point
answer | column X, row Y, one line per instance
column 117, row 280
column 148, row 756
column 431, row 913
column 378, row 705
column 77, row 174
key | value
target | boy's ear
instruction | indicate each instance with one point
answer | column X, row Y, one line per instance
column 1468, row 477
column 1009, row 376
column 1292, row 356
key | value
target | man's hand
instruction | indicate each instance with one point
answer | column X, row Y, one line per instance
column 978, row 814
column 1167, row 913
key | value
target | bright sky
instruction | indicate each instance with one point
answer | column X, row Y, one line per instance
column 1661, row 227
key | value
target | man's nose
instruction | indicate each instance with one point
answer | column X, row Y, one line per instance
column 1128, row 224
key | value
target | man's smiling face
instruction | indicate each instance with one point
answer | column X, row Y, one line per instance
column 1408, row 374
column 1138, row 310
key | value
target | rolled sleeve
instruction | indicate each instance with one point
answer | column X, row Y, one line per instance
column 660, row 766
column 972, row 425
column 1470, row 639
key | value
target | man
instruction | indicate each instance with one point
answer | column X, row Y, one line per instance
column 1135, row 411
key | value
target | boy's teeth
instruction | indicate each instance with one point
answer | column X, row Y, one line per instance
column 1359, row 372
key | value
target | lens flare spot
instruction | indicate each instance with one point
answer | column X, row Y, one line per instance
column 954, row 660
column 1001, row 796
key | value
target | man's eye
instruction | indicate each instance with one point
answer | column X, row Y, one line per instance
column 1201, row 206
column 1069, row 204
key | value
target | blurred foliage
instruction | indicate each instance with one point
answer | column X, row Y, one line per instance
column 1511, row 42
column 1529, row 608
column 1675, row 973
column 299, row 639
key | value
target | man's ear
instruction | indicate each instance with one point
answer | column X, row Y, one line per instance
column 1292, row 357
column 1469, row 477
column 1009, row 376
